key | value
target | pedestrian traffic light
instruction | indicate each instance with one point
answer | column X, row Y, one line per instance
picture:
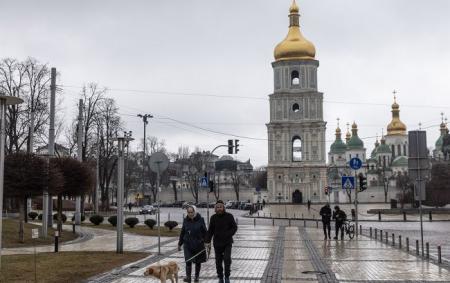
column 236, row 146
column 326, row 190
column 362, row 182
column 230, row 146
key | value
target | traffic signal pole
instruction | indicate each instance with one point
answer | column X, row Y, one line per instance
column 356, row 205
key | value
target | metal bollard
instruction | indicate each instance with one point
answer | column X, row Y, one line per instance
column 254, row 221
column 387, row 237
column 360, row 229
column 304, row 223
column 273, row 222
column 289, row 222
column 427, row 246
column 168, row 216
column 379, row 215
column 407, row 244
column 399, row 241
column 73, row 228
column 376, row 233
column 417, row 247
column 393, row 239
column 317, row 224
column 404, row 216
column 430, row 216
column 439, row 254
column 237, row 221
column 258, row 213
column 370, row 231
column 56, row 241
column 381, row 235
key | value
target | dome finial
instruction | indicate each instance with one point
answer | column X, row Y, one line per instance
column 294, row 46
column 396, row 126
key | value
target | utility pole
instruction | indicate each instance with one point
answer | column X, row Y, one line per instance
column 80, row 158
column 51, row 138
column 122, row 142
column 145, row 120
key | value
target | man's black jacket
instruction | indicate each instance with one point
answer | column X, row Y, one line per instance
column 222, row 227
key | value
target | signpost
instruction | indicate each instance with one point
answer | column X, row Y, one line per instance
column 158, row 164
column 356, row 163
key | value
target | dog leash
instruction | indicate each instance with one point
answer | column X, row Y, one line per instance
column 196, row 255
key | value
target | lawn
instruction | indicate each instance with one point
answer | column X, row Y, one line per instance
column 10, row 235
column 62, row 266
column 139, row 230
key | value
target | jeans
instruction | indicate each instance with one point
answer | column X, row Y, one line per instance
column 326, row 228
column 340, row 225
column 189, row 269
column 223, row 253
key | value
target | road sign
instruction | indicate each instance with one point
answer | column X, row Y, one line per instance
column 355, row 163
column 204, row 182
column 34, row 233
column 158, row 162
column 348, row 182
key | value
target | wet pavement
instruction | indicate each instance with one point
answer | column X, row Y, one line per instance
column 298, row 254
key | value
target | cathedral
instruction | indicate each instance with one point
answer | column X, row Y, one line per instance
column 296, row 169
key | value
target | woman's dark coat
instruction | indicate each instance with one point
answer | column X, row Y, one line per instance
column 192, row 236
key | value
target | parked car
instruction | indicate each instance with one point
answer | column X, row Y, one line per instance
column 230, row 204
column 242, row 204
column 178, row 203
column 147, row 209
column 202, row 204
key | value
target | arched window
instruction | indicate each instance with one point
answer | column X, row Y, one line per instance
column 295, row 80
column 295, row 107
column 296, row 149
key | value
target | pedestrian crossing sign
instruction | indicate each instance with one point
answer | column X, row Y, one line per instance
column 204, row 182
column 348, row 182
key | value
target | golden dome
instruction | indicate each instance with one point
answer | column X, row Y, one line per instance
column 396, row 127
column 294, row 46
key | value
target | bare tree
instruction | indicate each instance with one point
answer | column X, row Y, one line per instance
column 30, row 81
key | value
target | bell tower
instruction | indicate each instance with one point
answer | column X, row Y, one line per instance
column 296, row 131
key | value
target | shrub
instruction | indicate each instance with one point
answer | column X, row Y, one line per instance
column 82, row 218
column 131, row 221
column 113, row 220
column 150, row 223
column 171, row 224
column 40, row 216
column 32, row 215
column 96, row 219
column 63, row 217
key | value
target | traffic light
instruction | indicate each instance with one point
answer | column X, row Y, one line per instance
column 326, row 190
column 236, row 146
column 230, row 146
column 362, row 182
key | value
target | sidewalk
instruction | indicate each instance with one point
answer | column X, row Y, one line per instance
column 297, row 254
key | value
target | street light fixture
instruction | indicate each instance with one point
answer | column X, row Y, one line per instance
column 4, row 101
column 144, row 163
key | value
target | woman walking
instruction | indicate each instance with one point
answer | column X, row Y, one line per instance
column 192, row 236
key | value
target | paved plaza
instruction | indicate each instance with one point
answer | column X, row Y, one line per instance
column 297, row 254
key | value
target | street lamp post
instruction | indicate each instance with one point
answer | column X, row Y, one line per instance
column 145, row 120
column 122, row 141
column 4, row 100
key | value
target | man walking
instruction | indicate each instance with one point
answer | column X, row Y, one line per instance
column 222, row 227
column 340, row 216
column 325, row 212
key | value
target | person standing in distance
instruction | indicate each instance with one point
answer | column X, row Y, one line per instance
column 325, row 212
column 192, row 236
column 222, row 227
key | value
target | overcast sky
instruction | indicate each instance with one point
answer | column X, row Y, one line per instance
column 207, row 63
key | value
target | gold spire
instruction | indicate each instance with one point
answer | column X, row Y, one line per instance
column 396, row 127
column 348, row 135
column 443, row 127
column 294, row 46
column 338, row 130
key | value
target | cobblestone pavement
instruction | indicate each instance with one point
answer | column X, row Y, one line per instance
column 297, row 254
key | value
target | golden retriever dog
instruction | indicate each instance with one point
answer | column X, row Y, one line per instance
column 164, row 271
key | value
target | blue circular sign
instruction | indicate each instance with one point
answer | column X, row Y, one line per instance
column 355, row 163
